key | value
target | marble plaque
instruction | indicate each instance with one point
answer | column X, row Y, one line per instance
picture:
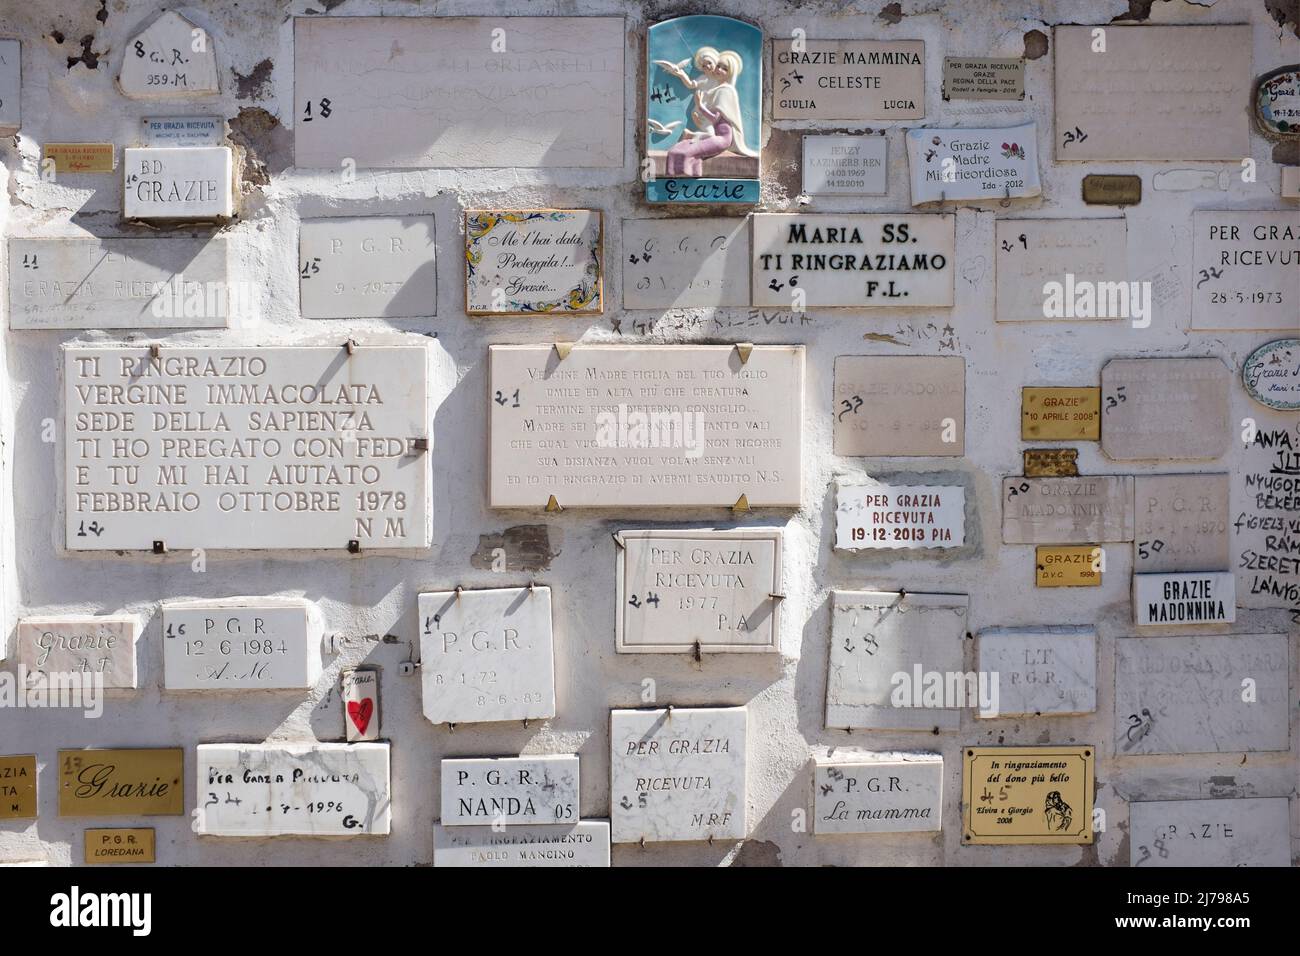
column 1040, row 670
column 678, row 775
column 450, row 92
column 1060, row 414
column 177, row 282
column 183, row 130
column 1245, row 270
column 377, row 267
column 1090, row 509
column 1251, row 831
column 698, row 590
column 99, row 783
column 1201, row 598
column 1291, row 182
column 359, row 694
column 585, row 843
column 1165, row 408
column 900, row 405
column 878, row 793
column 241, row 644
column 18, row 787
column 1195, row 695
column 1068, row 566
column 845, row 165
column 129, row 845
column 80, row 644
column 1021, row 795
column 853, row 260
column 293, row 789
column 983, row 78
column 1039, row 258
column 171, row 57
column 80, row 157
column 947, row 165
column 874, row 515
column 273, row 447
column 11, row 86
column 1157, row 92
column 533, row 261
column 848, row 80
column 1271, row 374
column 1181, row 523
column 508, row 790
column 886, row 649
column 168, row 183
column 623, row 426
column 685, row 263
column 487, row 655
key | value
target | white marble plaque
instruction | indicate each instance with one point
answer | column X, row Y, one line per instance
column 1042, row 261
column 873, row 515
column 1251, row 831
column 169, row 183
column 367, row 267
column 241, row 644
column 171, row 57
column 292, row 789
column 487, row 655
column 624, row 426
column 900, row 405
column 1196, row 695
column 678, row 775
column 848, row 80
column 1156, row 92
column 274, row 447
column 11, row 86
column 585, row 843
column 510, row 790
column 894, row 660
column 177, row 282
column 1245, row 270
column 433, row 91
column 685, row 263
column 853, row 260
column 184, row 130
column 1181, row 523
column 845, row 165
column 878, row 793
column 711, row 591
column 534, row 261
column 1201, row 598
column 1040, row 670
column 980, row 164
column 1091, row 509
column 80, row 644
column 1165, row 408
column 359, row 695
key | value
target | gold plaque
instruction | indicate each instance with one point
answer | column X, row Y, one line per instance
column 1060, row 414
column 1075, row 566
column 18, row 787
column 105, row 783
column 1110, row 189
column 80, row 157
column 1027, row 794
column 1051, row 462
column 134, row 845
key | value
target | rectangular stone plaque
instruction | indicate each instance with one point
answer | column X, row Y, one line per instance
column 874, row 515
column 853, row 260
column 1188, row 695
column 585, row 843
column 685, row 263
column 367, row 267
column 900, row 405
column 184, row 130
column 624, row 426
column 18, row 787
column 886, row 648
column 1109, row 189
column 241, row 644
column 434, row 91
column 848, row 80
column 487, row 655
column 678, row 775
column 1291, row 182
column 1165, row 408
column 980, row 164
column 1089, row 509
column 1040, row 670
column 533, row 261
column 878, row 793
column 273, row 447
column 105, row 783
column 80, row 157
column 1068, row 566
column 1060, row 414
column 80, row 644
column 177, row 282
column 167, row 183
column 1202, row 598
column 983, row 78
column 1017, row 795
column 11, row 86
column 133, row 845
column 845, row 165
column 1157, row 92
column 698, row 590
column 1245, row 270
column 293, row 789
column 510, row 790
column 359, row 694
column 1181, row 523
column 172, row 57
column 1251, row 831
column 1042, row 261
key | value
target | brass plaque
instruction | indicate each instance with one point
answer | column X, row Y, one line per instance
column 80, row 157
column 1072, row 566
column 1027, row 794
column 1051, row 462
column 1060, row 414
column 1108, row 189
column 103, row 783
column 18, row 787
column 133, row 845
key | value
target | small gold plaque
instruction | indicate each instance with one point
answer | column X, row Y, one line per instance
column 80, row 157
column 103, row 783
column 1060, row 414
column 135, row 845
column 1108, row 189
column 1051, row 462
column 18, row 787
column 1067, row 567
column 1027, row 794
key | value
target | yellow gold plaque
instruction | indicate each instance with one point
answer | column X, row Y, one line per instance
column 17, row 787
column 80, row 157
column 101, row 783
column 1075, row 566
column 1060, row 414
column 1027, row 794
column 1051, row 462
column 133, row 845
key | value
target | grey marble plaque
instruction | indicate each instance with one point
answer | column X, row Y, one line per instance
column 367, row 267
column 1251, row 831
column 685, row 263
column 1040, row 670
column 1085, row 510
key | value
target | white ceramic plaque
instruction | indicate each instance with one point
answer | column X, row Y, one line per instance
column 845, row 165
column 292, row 789
column 170, row 183
column 1175, row 408
column 276, row 447
column 367, row 267
column 873, row 515
column 183, row 130
column 678, row 775
column 1245, row 270
column 1271, row 374
column 685, row 263
column 900, row 405
column 624, row 426
column 1041, row 262
column 585, row 843
column 172, row 57
column 102, row 646
column 241, row 644
column 1251, row 831
column 11, row 86
column 848, row 79
column 437, row 91
column 487, row 655
column 1040, row 670
column 979, row 164
column 1083, row 510
column 853, row 260
column 1182, row 523
column 1200, row 598
column 534, row 261
column 878, row 793
column 510, row 790
column 359, row 694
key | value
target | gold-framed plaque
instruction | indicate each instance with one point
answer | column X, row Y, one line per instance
column 120, row 845
column 104, row 783
column 1027, row 795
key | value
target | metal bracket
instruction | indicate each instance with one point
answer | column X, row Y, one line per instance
column 354, row 546
column 744, row 349
column 553, row 504
column 350, row 345
column 741, row 505
column 562, row 349
column 160, row 547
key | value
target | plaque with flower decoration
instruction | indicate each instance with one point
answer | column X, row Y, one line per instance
column 533, row 261
column 981, row 165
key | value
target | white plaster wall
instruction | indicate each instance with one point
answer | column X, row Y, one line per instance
column 370, row 601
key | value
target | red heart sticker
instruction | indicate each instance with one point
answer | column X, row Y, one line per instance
column 360, row 713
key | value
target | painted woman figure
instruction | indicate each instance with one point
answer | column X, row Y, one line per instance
column 717, row 120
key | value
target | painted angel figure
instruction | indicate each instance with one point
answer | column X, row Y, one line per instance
column 705, row 61
column 717, row 123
